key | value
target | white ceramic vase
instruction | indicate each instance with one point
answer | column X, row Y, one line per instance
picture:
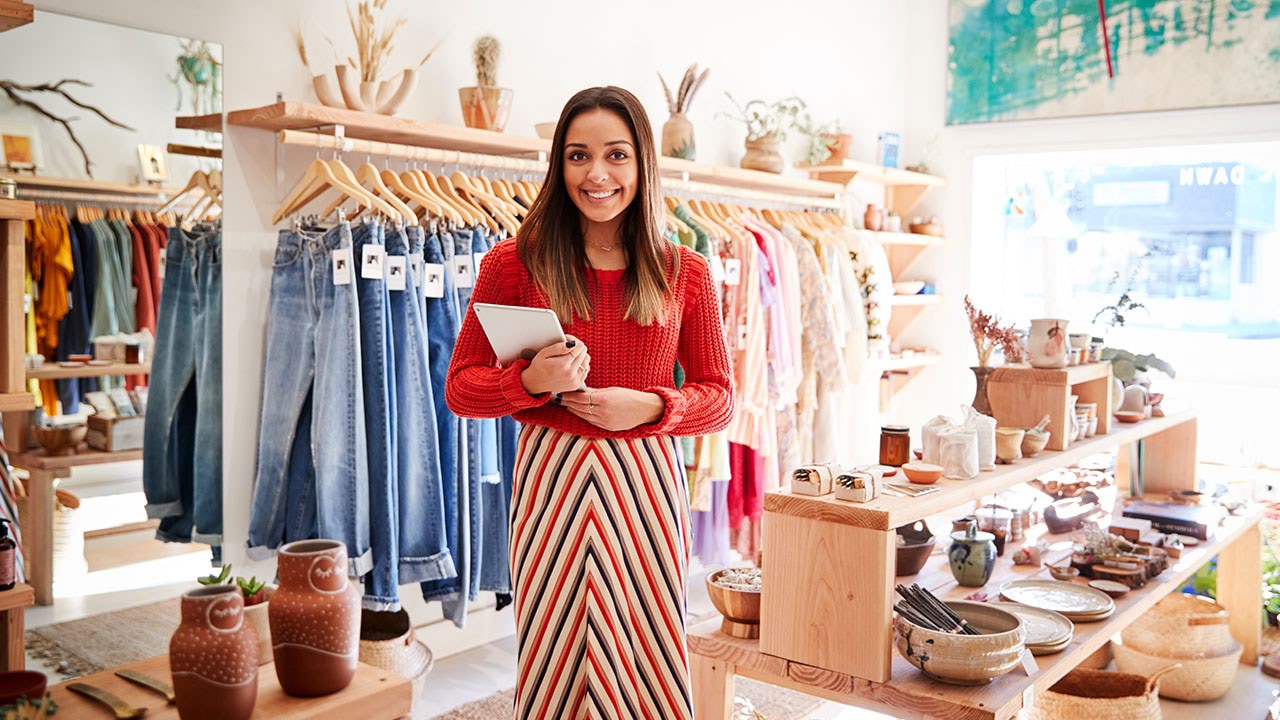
column 1047, row 345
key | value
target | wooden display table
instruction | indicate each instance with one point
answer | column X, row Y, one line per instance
column 716, row 658
column 372, row 695
column 13, row 626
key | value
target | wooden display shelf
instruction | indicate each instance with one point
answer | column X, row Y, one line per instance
column 749, row 179
column 897, row 373
column 207, row 123
column 914, row 362
column 1021, row 395
column 13, row 356
column 716, row 657
column 13, row 607
column 373, row 694
column 55, row 371
column 17, row 402
column 903, row 189
column 903, row 248
column 16, row 209
column 905, row 310
column 15, row 14
column 37, row 460
column 86, row 185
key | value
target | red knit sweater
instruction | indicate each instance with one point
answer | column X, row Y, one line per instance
column 623, row 353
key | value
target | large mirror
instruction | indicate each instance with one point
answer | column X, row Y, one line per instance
column 115, row 476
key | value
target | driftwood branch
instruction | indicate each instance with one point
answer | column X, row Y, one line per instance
column 13, row 89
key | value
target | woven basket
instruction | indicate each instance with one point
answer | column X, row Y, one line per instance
column 387, row 642
column 1086, row 694
column 1196, row 680
column 1181, row 626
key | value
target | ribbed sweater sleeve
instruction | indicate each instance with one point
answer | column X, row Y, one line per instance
column 705, row 403
column 476, row 385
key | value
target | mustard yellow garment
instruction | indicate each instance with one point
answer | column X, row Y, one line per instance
column 33, row 386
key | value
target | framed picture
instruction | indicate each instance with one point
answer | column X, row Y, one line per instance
column 21, row 147
column 890, row 143
column 151, row 160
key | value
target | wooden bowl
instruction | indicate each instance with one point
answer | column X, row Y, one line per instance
column 741, row 609
column 27, row 684
column 60, row 440
column 1110, row 587
column 1129, row 416
column 922, row 473
column 964, row 659
column 911, row 558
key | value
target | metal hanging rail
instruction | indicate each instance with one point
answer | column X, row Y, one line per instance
column 99, row 198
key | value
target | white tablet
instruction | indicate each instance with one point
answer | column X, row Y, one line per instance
column 518, row 332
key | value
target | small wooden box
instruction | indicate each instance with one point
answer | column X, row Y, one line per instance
column 115, row 434
column 1020, row 395
column 1131, row 529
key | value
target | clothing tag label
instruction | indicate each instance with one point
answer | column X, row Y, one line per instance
column 717, row 268
column 1029, row 665
column 342, row 266
column 372, row 262
column 478, row 258
column 415, row 269
column 162, row 262
column 732, row 271
column 433, row 280
column 742, row 336
column 397, row 269
column 26, row 303
column 462, row 271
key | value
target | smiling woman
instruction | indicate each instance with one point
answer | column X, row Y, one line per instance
column 599, row 527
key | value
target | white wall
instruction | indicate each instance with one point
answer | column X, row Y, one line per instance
column 129, row 70
column 968, row 261
column 845, row 58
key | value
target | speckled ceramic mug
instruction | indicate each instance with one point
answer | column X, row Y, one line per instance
column 213, row 656
column 315, row 619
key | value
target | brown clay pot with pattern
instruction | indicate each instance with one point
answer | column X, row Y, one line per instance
column 213, row 656
column 315, row 619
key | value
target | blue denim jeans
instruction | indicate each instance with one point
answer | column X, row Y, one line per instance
column 378, row 363
column 182, row 431
column 317, row 462
column 423, row 554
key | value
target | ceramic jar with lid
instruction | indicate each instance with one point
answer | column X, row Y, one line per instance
column 972, row 556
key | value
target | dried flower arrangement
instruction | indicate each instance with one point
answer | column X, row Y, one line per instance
column 987, row 335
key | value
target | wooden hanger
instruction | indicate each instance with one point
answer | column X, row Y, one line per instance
column 494, row 205
column 370, row 180
column 198, row 182
column 416, row 180
column 445, row 189
column 316, row 179
column 396, row 184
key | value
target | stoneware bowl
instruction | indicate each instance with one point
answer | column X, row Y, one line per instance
column 740, row 608
column 1065, row 573
column 964, row 659
column 1110, row 587
column 546, row 130
column 1009, row 444
column 61, row 439
column 922, row 473
column 22, row 684
column 918, row 542
column 1033, row 443
column 1129, row 416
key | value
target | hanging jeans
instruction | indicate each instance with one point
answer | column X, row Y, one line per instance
column 73, row 330
column 312, row 363
column 423, row 553
column 182, row 438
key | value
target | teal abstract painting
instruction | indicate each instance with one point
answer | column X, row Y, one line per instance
column 1024, row 59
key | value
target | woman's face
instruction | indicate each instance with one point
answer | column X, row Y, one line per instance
column 600, row 165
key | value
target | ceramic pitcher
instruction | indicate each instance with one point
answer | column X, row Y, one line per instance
column 214, row 656
column 1047, row 345
column 315, row 619
column 972, row 556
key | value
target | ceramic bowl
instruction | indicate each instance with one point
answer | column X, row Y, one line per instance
column 546, row 130
column 908, row 287
column 1110, row 587
column 1033, row 443
column 22, row 684
column 740, row 608
column 964, row 659
column 1009, row 444
column 922, row 473
column 1065, row 573
column 1129, row 416
column 911, row 558
column 61, row 439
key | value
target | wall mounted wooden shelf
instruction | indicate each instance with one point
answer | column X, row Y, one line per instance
column 750, row 179
column 15, row 14
column 903, row 188
column 902, row 249
column 86, row 185
column 207, row 123
column 905, row 310
column 897, row 373
column 57, row 372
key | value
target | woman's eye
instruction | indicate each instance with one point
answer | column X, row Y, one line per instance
column 577, row 156
column 618, row 155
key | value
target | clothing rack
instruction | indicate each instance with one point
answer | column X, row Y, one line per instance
column 114, row 199
column 677, row 186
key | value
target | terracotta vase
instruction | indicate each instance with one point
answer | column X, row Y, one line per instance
column 214, row 656
column 839, row 144
column 315, row 619
column 873, row 218
column 762, row 154
column 485, row 108
column 677, row 138
column 980, row 401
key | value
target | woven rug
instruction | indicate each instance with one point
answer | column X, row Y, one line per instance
column 772, row 703
column 85, row 646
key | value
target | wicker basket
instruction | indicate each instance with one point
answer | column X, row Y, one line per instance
column 387, row 641
column 1181, row 626
column 1086, row 694
column 1196, row 680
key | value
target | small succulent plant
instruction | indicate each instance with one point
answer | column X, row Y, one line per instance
column 251, row 588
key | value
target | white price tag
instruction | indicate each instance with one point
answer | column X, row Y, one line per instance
column 372, row 262
column 397, row 269
column 415, row 269
column 478, row 258
column 26, row 303
column 162, row 262
column 717, row 268
column 342, row 266
column 433, row 280
column 462, row 271
column 732, row 271
column 742, row 336
column 1029, row 663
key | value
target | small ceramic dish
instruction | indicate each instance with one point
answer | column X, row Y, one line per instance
column 922, row 473
column 546, row 130
column 908, row 287
column 1129, row 416
column 1110, row 587
column 79, row 357
column 1065, row 573
column 99, row 363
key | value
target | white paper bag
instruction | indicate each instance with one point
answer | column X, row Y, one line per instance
column 929, row 437
column 958, row 449
column 984, row 426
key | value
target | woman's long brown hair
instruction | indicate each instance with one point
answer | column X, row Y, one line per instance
column 551, row 242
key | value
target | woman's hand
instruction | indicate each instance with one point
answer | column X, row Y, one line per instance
column 558, row 368
column 615, row 408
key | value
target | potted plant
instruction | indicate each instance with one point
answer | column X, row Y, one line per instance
column 677, row 131
column 767, row 125
column 1271, row 586
column 257, row 595
column 486, row 106
column 987, row 336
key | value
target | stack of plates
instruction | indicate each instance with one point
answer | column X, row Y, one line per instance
column 1048, row 632
column 1078, row 603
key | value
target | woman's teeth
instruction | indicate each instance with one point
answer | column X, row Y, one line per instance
column 601, row 195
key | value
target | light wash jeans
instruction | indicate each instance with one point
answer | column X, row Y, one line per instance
column 182, row 431
column 312, row 362
column 423, row 554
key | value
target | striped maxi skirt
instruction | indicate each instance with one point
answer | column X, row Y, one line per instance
column 599, row 553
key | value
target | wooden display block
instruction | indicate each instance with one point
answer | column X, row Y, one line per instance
column 1021, row 395
column 115, row 434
